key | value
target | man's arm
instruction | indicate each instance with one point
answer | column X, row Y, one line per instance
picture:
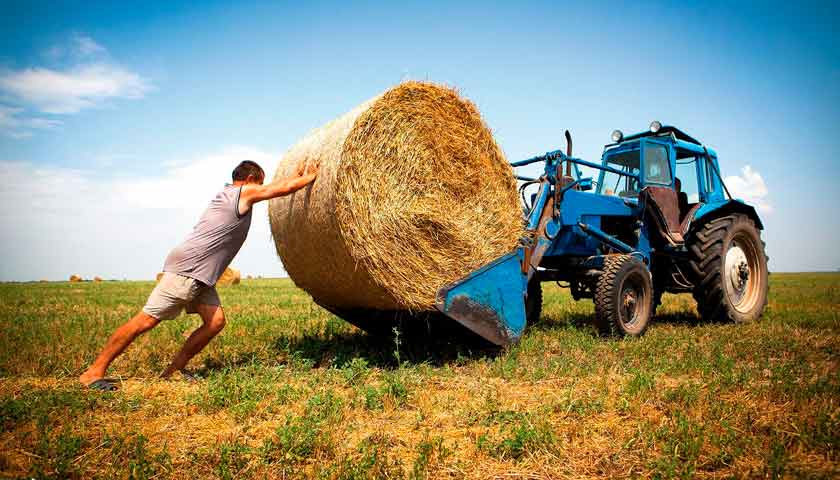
column 252, row 194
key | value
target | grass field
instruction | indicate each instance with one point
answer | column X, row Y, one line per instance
column 291, row 391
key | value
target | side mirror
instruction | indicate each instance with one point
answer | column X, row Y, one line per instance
column 585, row 184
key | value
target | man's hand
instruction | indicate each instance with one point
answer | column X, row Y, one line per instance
column 306, row 172
column 306, row 167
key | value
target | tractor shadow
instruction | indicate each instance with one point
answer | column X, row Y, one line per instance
column 586, row 322
column 680, row 318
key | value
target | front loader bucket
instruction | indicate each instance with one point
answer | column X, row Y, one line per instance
column 489, row 301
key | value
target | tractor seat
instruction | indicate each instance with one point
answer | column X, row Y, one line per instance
column 661, row 203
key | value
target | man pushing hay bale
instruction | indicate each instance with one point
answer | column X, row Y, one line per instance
column 192, row 270
column 413, row 194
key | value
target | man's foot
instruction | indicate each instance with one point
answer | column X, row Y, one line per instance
column 89, row 377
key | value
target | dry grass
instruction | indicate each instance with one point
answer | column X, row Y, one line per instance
column 291, row 391
column 413, row 194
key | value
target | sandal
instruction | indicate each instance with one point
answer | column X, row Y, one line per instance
column 104, row 385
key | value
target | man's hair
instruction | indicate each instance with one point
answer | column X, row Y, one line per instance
column 247, row 167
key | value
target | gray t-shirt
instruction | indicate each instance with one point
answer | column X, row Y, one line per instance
column 214, row 241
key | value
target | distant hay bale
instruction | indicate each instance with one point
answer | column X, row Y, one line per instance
column 413, row 193
column 97, row 279
column 75, row 278
column 249, row 277
column 230, row 276
column 158, row 276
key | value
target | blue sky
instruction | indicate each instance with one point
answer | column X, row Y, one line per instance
column 118, row 121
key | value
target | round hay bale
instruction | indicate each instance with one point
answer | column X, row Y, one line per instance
column 75, row 278
column 413, row 193
column 230, row 276
column 97, row 279
column 158, row 276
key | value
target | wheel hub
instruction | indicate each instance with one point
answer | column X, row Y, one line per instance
column 629, row 299
column 737, row 270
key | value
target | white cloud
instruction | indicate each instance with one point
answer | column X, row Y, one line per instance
column 91, row 80
column 82, row 87
column 59, row 221
column 12, row 124
column 750, row 187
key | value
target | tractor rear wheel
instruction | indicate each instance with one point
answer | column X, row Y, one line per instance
column 730, row 269
column 623, row 296
column 533, row 302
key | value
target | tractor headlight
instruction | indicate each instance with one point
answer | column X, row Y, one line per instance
column 655, row 126
column 617, row 136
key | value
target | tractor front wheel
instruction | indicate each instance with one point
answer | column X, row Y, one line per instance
column 623, row 296
column 730, row 269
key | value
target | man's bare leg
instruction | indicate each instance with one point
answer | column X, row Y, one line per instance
column 120, row 339
column 213, row 322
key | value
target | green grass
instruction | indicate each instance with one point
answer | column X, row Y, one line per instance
column 291, row 391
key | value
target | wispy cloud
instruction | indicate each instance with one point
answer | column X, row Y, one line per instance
column 87, row 46
column 91, row 80
column 750, row 187
column 13, row 125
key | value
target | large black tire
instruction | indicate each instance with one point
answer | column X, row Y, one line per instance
column 623, row 296
column 730, row 270
column 533, row 302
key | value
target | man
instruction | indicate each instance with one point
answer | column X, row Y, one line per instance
column 192, row 268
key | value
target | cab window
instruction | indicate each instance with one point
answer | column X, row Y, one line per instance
column 621, row 185
column 710, row 176
column 687, row 175
column 657, row 168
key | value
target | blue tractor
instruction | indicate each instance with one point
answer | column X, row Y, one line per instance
column 657, row 219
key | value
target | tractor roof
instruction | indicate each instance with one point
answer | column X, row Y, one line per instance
column 664, row 131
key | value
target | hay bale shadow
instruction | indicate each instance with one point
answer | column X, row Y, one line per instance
column 386, row 339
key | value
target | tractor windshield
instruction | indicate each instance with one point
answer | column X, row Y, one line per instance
column 621, row 185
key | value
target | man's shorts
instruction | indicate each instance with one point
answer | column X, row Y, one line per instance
column 176, row 292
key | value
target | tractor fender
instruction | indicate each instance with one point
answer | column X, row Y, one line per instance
column 727, row 207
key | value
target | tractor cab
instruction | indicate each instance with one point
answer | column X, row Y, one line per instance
column 672, row 176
